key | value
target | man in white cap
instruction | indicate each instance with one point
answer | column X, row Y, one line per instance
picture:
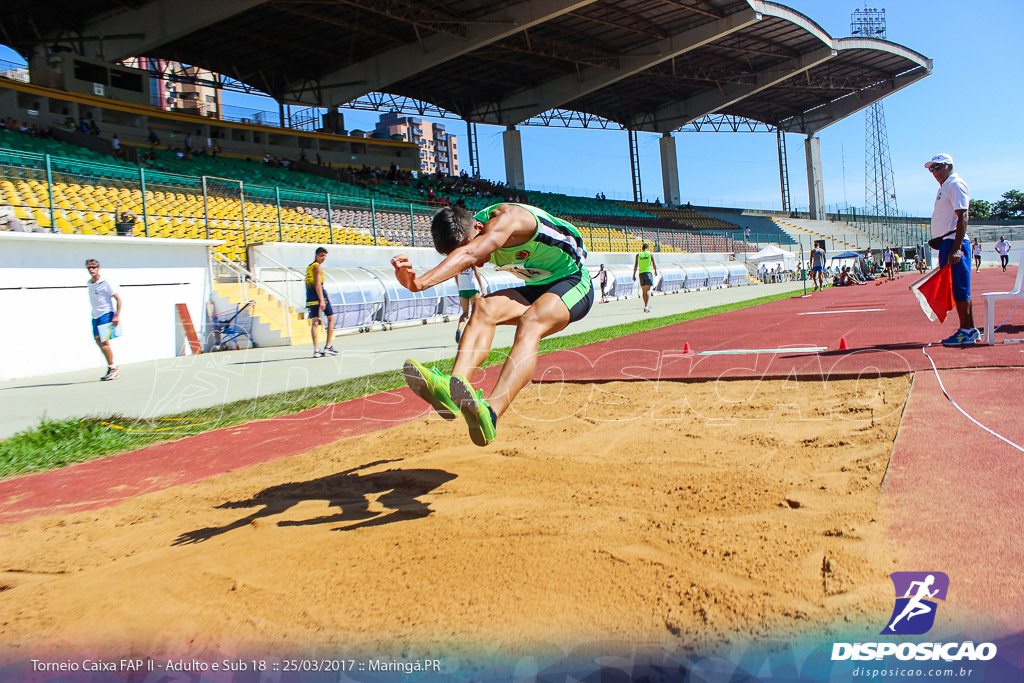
column 949, row 224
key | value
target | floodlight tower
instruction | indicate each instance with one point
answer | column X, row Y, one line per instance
column 879, row 187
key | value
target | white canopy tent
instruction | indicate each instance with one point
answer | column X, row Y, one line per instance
column 772, row 256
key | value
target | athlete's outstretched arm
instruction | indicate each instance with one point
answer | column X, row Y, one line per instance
column 504, row 221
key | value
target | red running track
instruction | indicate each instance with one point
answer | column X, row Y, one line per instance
column 887, row 341
column 958, row 491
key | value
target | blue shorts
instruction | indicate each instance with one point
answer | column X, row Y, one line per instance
column 961, row 271
column 102, row 320
column 313, row 306
column 817, row 269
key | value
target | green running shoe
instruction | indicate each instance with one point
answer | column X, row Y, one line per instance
column 481, row 419
column 432, row 386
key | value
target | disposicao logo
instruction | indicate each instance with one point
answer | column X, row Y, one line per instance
column 917, row 600
column 917, row 594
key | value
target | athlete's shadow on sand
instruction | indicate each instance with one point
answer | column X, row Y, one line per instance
column 347, row 490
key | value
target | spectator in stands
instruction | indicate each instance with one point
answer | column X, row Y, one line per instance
column 545, row 251
column 818, row 266
column 469, row 296
column 644, row 262
column 153, row 139
column 124, row 222
column 94, row 129
column 13, row 224
column 318, row 303
column 188, row 142
column 976, row 251
column 115, row 146
column 602, row 279
column 949, row 224
column 1003, row 249
column 105, row 317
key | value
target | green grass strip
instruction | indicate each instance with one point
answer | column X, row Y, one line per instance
column 57, row 443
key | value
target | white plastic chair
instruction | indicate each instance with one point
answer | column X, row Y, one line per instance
column 990, row 299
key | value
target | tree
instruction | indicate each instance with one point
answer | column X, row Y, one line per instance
column 980, row 209
column 1010, row 206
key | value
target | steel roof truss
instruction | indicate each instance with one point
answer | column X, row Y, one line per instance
column 819, row 118
column 161, row 22
column 679, row 114
column 402, row 62
column 527, row 104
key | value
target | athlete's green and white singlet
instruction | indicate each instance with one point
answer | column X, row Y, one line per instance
column 555, row 251
column 643, row 260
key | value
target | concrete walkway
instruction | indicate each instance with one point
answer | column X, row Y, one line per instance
column 164, row 387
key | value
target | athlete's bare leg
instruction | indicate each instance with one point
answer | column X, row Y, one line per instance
column 330, row 331
column 533, row 322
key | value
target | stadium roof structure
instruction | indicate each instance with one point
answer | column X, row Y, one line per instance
column 646, row 65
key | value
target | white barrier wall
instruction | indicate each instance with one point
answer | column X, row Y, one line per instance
column 267, row 259
column 45, row 302
column 298, row 256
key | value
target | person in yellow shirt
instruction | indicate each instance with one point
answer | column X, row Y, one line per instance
column 317, row 304
column 644, row 262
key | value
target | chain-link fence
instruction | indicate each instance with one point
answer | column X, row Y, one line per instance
column 899, row 230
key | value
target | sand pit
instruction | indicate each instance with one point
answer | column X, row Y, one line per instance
column 677, row 514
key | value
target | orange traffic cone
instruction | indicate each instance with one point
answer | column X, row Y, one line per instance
column 842, row 344
column 686, row 349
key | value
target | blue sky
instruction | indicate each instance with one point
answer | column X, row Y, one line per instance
column 969, row 107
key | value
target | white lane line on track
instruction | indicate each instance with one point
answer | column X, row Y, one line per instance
column 852, row 310
column 802, row 349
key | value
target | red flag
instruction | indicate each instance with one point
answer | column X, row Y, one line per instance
column 935, row 293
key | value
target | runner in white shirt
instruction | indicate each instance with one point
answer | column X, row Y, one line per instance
column 105, row 317
column 1003, row 249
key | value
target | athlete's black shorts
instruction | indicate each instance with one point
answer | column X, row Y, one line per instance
column 313, row 305
column 647, row 279
column 576, row 292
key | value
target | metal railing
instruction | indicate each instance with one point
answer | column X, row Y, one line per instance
column 897, row 231
column 221, row 269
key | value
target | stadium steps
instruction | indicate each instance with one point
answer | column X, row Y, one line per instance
column 269, row 324
column 837, row 236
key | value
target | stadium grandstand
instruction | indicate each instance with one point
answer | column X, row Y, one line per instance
column 82, row 145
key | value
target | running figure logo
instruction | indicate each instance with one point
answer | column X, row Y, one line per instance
column 916, row 595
